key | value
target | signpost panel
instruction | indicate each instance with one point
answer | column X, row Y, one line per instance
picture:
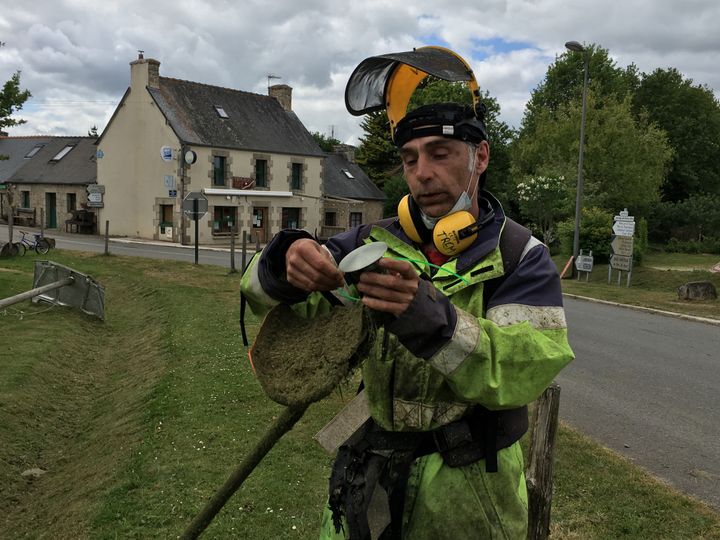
column 195, row 211
column 622, row 245
column 195, row 205
column 624, row 228
column 621, row 262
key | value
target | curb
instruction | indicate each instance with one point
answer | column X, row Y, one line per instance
column 693, row 318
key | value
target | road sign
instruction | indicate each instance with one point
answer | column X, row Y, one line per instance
column 188, row 205
column 621, row 262
column 624, row 228
column 622, row 245
column 584, row 263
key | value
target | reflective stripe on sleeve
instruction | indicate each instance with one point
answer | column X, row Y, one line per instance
column 540, row 317
column 255, row 290
column 463, row 344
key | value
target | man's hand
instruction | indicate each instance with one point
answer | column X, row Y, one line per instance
column 391, row 291
column 309, row 266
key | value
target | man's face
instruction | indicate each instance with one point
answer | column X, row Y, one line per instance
column 436, row 171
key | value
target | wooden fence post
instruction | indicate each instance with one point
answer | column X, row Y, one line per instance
column 539, row 474
column 244, row 251
column 107, row 236
column 232, row 249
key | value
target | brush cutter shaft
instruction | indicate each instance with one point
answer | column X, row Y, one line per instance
column 283, row 423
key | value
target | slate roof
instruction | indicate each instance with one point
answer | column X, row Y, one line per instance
column 16, row 148
column 255, row 122
column 77, row 167
column 337, row 183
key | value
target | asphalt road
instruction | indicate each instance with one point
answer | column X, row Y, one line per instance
column 154, row 250
column 644, row 385
column 648, row 387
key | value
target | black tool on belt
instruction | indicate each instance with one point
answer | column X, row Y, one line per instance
column 375, row 456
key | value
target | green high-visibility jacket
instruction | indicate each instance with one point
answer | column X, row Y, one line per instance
column 454, row 347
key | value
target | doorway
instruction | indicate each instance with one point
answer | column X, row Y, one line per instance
column 166, row 221
column 259, row 224
column 51, row 210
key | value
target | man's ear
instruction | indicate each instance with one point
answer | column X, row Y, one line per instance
column 482, row 157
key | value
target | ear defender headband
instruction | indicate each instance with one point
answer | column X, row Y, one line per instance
column 451, row 235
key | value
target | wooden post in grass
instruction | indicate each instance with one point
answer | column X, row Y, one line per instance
column 232, row 249
column 539, row 474
column 244, row 250
column 107, row 236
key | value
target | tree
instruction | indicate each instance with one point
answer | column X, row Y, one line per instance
column 564, row 81
column 690, row 114
column 541, row 200
column 11, row 101
column 626, row 157
column 326, row 143
column 376, row 154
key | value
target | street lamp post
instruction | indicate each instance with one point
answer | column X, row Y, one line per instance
column 576, row 47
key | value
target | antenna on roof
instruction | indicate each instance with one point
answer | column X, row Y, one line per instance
column 140, row 54
column 271, row 76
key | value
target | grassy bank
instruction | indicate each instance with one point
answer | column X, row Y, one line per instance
column 654, row 284
column 135, row 422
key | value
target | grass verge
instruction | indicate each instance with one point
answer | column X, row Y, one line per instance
column 653, row 285
column 137, row 420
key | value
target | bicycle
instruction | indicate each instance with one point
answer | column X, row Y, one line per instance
column 39, row 244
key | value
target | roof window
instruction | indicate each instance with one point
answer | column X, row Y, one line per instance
column 221, row 112
column 347, row 173
column 62, row 153
column 34, row 150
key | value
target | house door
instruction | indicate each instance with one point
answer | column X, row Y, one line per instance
column 50, row 211
column 166, row 221
column 259, row 224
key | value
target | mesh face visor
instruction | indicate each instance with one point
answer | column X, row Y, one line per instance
column 387, row 81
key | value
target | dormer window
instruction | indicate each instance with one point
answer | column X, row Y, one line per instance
column 347, row 173
column 221, row 112
column 34, row 150
column 62, row 153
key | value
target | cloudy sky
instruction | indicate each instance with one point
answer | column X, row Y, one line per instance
column 74, row 54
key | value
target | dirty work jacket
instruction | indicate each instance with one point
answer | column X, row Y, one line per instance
column 447, row 352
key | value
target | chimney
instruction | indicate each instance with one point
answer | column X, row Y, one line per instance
column 283, row 93
column 346, row 150
column 144, row 72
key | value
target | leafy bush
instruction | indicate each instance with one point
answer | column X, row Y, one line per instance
column 707, row 245
column 640, row 246
column 595, row 234
column 697, row 215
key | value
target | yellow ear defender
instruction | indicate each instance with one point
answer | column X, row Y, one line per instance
column 451, row 235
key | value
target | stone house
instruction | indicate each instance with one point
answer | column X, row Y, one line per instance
column 350, row 197
column 248, row 154
column 47, row 176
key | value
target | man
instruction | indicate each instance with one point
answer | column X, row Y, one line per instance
column 472, row 329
